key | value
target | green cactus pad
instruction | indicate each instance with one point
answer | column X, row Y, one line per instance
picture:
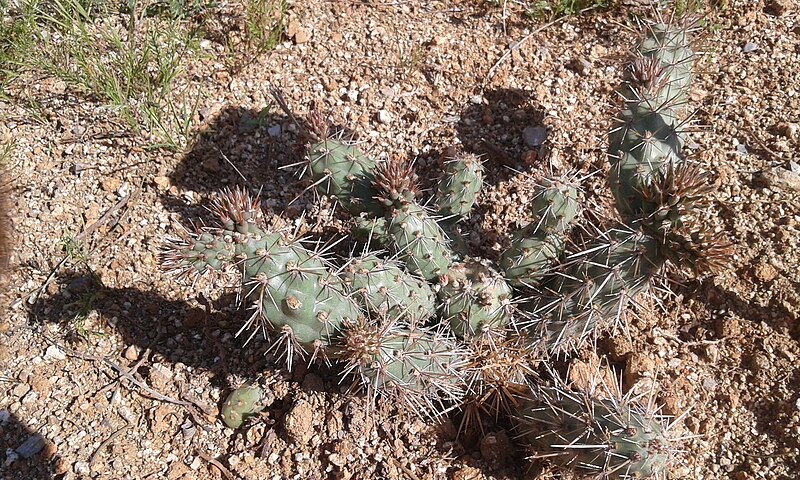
column 537, row 246
column 593, row 288
column 417, row 366
column 648, row 134
column 606, row 438
column 240, row 405
column 383, row 287
column 474, row 299
column 339, row 170
column 419, row 241
column 459, row 186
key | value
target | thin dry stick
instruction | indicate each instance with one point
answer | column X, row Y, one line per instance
column 220, row 466
column 79, row 238
column 105, row 443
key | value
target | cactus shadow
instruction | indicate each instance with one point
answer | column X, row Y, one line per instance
column 198, row 332
column 23, row 452
column 494, row 129
column 239, row 147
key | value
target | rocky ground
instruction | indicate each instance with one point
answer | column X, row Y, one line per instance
column 111, row 369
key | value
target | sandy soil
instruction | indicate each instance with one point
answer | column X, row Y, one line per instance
column 139, row 398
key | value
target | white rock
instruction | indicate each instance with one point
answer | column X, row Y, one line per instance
column 384, row 116
column 53, row 352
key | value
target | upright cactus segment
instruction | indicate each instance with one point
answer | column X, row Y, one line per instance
column 537, row 246
column 340, row 171
column 648, row 135
column 386, row 289
column 614, row 438
column 418, row 366
column 291, row 290
column 474, row 299
column 459, row 186
column 415, row 236
column 594, row 288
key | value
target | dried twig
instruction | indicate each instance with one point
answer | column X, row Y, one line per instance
column 216, row 463
column 105, row 443
column 518, row 44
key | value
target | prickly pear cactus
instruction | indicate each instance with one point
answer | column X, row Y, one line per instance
column 418, row 366
column 291, row 290
column 475, row 299
column 478, row 342
column 608, row 438
column 594, row 288
column 459, row 186
column 240, row 405
column 648, row 134
column 385, row 288
column 537, row 247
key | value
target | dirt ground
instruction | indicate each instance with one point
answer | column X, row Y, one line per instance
column 139, row 396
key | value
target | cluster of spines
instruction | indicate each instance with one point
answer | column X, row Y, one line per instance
column 597, row 430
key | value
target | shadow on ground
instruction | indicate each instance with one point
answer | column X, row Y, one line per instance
column 23, row 452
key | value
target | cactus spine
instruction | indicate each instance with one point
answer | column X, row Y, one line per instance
column 291, row 290
column 459, row 186
column 475, row 299
column 420, row 366
column 648, row 134
column 614, row 438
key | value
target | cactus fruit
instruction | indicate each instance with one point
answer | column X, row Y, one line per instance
column 418, row 366
column 385, row 288
column 240, row 405
column 474, row 299
column 614, row 438
column 537, row 246
column 459, row 186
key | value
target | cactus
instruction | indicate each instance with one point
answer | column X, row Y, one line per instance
column 418, row 366
column 648, row 135
column 535, row 248
column 459, row 186
column 340, row 171
column 594, row 288
column 475, row 299
column 240, row 405
column 291, row 290
column 607, row 437
column 371, row 314
column 384, row 288
column 499, row 375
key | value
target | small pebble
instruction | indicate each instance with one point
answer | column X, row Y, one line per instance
column 131, row 353
column 534, row 136
column 274, row 131
column 33, row 445
column 20, row 390
column 384, row 116
column 749, row 47
column 53, row 352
